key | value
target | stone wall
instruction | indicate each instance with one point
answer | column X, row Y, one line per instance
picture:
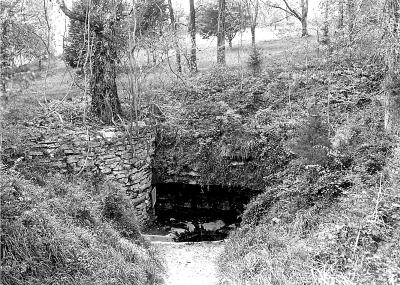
column 119, row 157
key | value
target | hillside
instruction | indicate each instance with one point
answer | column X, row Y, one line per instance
column 308, row 128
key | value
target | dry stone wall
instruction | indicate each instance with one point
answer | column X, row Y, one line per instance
column 119, row 157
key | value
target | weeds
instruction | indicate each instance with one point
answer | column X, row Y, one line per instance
column 58, row 234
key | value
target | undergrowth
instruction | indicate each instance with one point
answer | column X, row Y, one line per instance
column 71, row 233
column 331, row 214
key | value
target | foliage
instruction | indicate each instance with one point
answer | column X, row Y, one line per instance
column 255, row 60
column 312, row 141
column 119, row 210
column 27, row 34
column 151, row 18
column 220, row 134
column 235, row 20
column 77, row 41
column 56, row 235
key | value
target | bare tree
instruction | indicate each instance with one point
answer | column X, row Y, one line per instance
column 176, row 43
column 301, row 16
column 192, row 29
column 221, row 32
column 252, row 7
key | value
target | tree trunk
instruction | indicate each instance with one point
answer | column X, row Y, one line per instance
column 176, row 44
column 350, row 19
column 392, row 80
column 103, row 87
column 221, row 33
column 304, row 14
column 192, row 28
column 253, row 35
column 304, row 30
column 154, row 56
column 4, row 57
column 230, row 39
column 325, row 29
column 340, row 17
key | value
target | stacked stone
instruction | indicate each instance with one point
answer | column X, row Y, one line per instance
column 121, row 158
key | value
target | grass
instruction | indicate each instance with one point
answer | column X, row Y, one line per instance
column 57, row 234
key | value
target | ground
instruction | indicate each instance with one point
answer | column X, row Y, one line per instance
column 191, row 263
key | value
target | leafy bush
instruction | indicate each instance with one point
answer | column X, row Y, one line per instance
column 313, row 143
column 56, row 235
column 255, row 60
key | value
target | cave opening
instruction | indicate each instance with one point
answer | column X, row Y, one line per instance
column 191, row 212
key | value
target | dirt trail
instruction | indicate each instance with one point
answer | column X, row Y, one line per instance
column 191, row 263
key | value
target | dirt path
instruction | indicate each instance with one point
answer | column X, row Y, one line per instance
column 191, row 264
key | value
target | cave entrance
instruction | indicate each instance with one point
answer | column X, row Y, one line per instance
column 187, row 212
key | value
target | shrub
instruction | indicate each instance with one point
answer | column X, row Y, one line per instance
column 313, row 143
column 255, row 60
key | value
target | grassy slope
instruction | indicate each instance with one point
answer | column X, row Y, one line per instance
column 71, row 233
column 332, row 223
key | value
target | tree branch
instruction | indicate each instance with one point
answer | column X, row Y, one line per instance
column 288, row 9
column 69, row 13
column 294, row 12
column 283, row 9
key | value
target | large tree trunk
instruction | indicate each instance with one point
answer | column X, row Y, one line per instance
column 253, row 35
column 103, row 87
column 192, row 28
column 221, row 33
column 304, row 14
column 176, row 44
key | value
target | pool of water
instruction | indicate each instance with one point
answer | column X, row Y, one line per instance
column 196, row 230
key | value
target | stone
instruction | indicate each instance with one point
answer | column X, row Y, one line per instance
column 213, row 226
column 72, row 159
column 190, row 227
column 178, row 230
column 126, row 161
column 107, row 156
column 68, row 151
column 36, row 153
column 106, row 170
